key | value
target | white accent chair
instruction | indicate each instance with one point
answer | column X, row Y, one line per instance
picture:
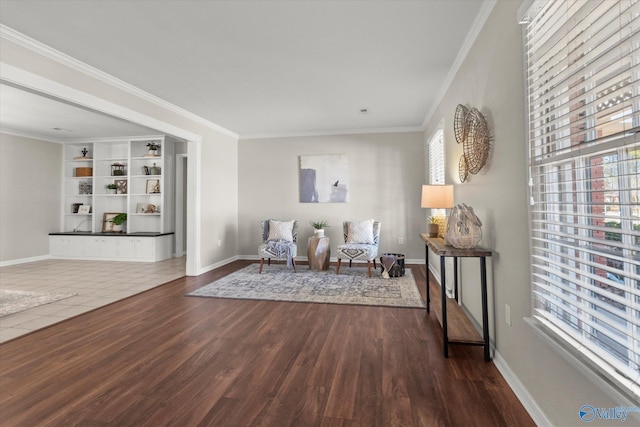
column 353, row 250
column 278, row 248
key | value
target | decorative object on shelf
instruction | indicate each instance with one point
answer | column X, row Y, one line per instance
column 437, row 197
column 147, row 208
column 319, row 227
column 433, row 226
column 85, row 187
column 112, row 187
column 464, row 229
column 112, row 222
column 472, row 131
column 117, row 169
column 84, row 154
column 84, row 209
column 155, row 170
column 153, row 186
column 82, row 172
column 153, row 149
column 74, row 207
column 121, row 186
column 77, row 227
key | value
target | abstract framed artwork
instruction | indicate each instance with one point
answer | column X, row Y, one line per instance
column 324, row 179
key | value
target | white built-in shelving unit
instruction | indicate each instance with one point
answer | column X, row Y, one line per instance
column 144, row 192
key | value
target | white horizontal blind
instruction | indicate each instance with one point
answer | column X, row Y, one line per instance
column 436, row 165
column 583, row 88
column 436, row 158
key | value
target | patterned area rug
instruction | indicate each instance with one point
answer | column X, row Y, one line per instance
column 351, row 286
column 12, row 302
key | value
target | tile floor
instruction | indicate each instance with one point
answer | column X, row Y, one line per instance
column 96, row 283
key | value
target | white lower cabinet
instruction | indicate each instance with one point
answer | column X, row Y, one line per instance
column 114, row 248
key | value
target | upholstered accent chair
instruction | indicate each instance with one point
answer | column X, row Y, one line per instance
column 361, row 240
column 279, row 240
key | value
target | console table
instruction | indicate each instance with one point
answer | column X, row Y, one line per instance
column 439, row 248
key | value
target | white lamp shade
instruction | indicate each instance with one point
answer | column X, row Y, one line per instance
column 437, row 196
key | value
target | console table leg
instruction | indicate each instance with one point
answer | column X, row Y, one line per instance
column 443, row 292
column 455, row 276
column 485, row 309
column 426, row 270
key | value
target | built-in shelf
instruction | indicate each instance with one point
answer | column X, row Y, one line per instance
column 126, row 162
column 141, row 178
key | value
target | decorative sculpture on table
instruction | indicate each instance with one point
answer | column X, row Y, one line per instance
column 464, row 229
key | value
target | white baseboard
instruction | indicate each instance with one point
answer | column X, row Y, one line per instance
column 520, row 391
column 24, row 260
column 216, row 265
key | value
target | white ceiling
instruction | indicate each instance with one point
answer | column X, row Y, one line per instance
column 265, row 67
column 34, row 115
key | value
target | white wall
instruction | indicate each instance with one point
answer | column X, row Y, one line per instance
column 386, row 172
column 30, row 189
column 491, row 79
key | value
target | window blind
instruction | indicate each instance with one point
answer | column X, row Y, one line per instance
column 436, row 165
column 436, row 158
column 583, row 89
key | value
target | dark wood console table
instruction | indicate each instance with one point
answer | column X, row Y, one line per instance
column 465, row 332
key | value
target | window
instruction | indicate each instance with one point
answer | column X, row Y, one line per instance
column 436, row 164
column 583, row 88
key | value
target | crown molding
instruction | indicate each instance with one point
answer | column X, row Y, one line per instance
column 333, row 132
column 472, row 35
column 14, row 36
column 7, row 131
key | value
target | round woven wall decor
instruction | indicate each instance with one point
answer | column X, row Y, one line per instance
column 459, row 123
column 463, row 169
column 476, row 143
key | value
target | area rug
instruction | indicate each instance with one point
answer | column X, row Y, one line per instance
column 12, row 301
column 351, row 286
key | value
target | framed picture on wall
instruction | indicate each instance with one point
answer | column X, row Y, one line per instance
column 324, row 179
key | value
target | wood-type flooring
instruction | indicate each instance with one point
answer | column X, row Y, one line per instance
column 162, row 359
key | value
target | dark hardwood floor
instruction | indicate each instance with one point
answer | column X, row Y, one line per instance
column 163, row 359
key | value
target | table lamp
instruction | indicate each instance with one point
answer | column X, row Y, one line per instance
column 437, row 197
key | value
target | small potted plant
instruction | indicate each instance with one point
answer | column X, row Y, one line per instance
column 153, row 148
column 433, row 226
column 117, row 221
column 319, row 227
column 112, row 187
